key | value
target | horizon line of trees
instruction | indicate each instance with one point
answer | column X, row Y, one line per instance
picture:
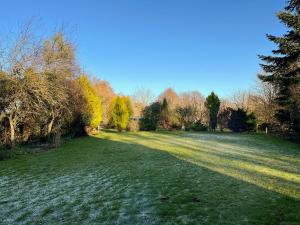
column 45, row 94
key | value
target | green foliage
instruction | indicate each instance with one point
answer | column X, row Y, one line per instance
column 241, row 121
column 78, row 126
column 119, row 113
column 196, row 126
column 213, row 105
column 129, row 106
column 151, row 117
column 92, row 114
column 165, row 114
column 199, row 126
column 283, row 69
column 6, row 154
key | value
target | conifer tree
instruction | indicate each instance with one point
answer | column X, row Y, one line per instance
column 92, row 114
column 283, row 67
column 151, row 116
column 119, row 113
column 129, row 106
column 165, row 114
column 213, row 105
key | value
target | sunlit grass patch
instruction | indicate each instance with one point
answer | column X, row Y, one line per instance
column 155, row 178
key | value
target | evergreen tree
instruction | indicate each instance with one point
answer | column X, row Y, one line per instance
column 92, row 114
column 119, row 113
column 283, row 67
column 165, row 114
column 129, row 106
column 213, row 105
column 151, row 116
column 240, row 120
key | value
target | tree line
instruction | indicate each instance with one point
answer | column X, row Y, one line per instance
column 45, row 94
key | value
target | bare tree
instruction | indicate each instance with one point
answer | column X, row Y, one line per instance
column 59, row 67
column 262, row 103
column 241, row 99
column 196, row 102
column 23, row 90
column 143, row 96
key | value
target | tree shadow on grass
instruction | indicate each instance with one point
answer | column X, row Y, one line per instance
column 222, row 198
column 118, row 181
column 237, row 152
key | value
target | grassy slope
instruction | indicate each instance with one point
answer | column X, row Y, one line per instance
column 155, row 178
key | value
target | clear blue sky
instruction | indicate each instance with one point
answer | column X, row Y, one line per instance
column 199, row 45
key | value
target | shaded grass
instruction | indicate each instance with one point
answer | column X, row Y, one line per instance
column 155, row 178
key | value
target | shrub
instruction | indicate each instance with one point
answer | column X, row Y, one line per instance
column 133, row 125
column 198, row 126
column 241, row 121
column 119, row 113
column 175, row 126
column 7, row 153
column 78, row 127
column 151, row 117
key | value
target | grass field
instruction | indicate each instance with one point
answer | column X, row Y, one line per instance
column 155, row 178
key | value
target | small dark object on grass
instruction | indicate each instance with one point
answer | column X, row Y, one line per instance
column 164, row 198
column 195, row 199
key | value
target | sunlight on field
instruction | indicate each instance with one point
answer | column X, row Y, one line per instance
column 155, row 178
column 256, row 162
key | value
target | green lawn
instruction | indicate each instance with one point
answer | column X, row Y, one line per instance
column 155, row 178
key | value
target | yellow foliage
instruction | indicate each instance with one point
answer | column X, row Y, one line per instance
column 120, row 112
column 92, row 115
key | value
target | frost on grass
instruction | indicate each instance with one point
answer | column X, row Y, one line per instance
column 90, row 196
column 154, row 178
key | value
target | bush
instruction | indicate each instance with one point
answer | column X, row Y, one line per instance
column 151, row 117
column 133, row 125
column 7, row 153
column 78, row 127
column 199, row 126
column 175, row 126
column 119, row 113
column 241, row 121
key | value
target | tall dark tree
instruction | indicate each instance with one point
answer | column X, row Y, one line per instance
column 283, row 67
column 165, row 114
column 213, row 105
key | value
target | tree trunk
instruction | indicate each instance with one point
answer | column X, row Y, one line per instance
column 49, row 127
column 57, row 139
column 12, row 131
